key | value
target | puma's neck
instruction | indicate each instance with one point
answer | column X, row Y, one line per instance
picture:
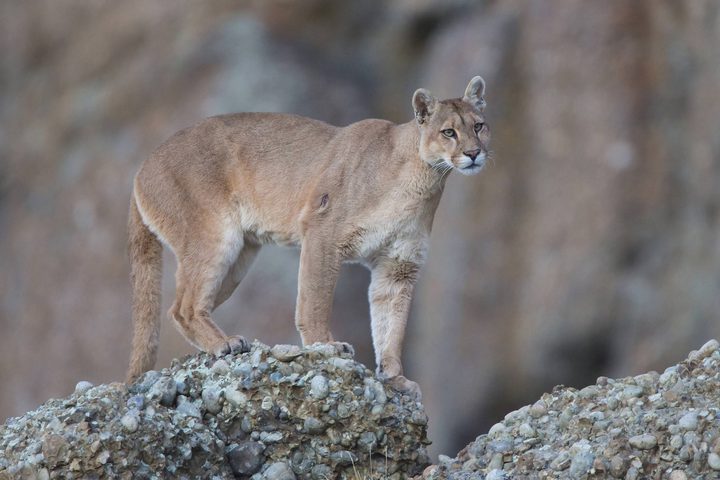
column 415, row 174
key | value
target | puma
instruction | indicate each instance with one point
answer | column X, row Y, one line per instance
column 216, row 192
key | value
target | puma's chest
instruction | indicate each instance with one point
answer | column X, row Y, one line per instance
column 394, row 234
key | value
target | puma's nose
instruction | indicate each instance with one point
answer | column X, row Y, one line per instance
column 472, row 154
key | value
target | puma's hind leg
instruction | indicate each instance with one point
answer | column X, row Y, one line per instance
column 200, row 276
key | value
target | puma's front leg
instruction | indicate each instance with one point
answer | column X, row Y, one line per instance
column 319, row 268
column 390, row 294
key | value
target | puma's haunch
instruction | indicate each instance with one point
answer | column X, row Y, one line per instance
column 216, row 192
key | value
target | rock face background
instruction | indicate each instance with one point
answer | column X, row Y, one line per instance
column 589, row 248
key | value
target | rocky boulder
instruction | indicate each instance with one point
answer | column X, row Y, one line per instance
column 651, row 426
column 280, row 413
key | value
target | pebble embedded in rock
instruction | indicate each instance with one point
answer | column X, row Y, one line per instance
column 367, row 441
column 164, row 390
column 285, row 353
column 83, row 386
column 236, row 398
column 321, row 472
column 211, row 397
column 246, row 458
column 580, row 463
column 220, row 367
column 689, row 421
column 538, row 409
column 314, row 425
column 497, row 430
column 677, row 475
column 714, row 461
column 279, row 471
column 644, row 441
column 495, row 474
column 130, row 422
column 55, row 449
column 136, row 402
column 525, row 430
column 319, row 387
column 187, row 407
column 632, row 391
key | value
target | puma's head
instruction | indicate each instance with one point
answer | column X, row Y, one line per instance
column 453, row 133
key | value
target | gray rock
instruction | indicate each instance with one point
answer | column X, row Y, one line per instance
column 321, row 472
column 220, row 367
column 236, row 398
column 538, row 409
column 581, row 463
column 495, row 474
column 319, row 387
column 130, row 421
column 285, row 353
column 714, row 461
column 677, row 475
column 632, row 391
column 367, row 441
column 136, row 402
column 279, row 471
column 688, row 421
column 212, row 398
column 163, row 390
column 270, row 437
column 314, row 425
column 525, row 430
column 146, row 381
column 188, row 408
column 246, row 458
column 643, row 442
column 83, row 386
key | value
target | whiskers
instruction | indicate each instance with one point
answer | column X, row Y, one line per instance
column 443, row 168
column 490, row 157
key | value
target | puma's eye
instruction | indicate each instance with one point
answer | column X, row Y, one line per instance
column 449, row 133
column 479, row 126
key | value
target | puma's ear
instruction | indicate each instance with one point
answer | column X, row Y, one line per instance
column 423, row 104
column 475, row 91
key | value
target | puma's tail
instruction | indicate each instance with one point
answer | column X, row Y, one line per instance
column 145, row 274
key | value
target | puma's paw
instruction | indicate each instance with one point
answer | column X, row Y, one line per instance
column 404, row 386
column 343, row 348
column 231, row 344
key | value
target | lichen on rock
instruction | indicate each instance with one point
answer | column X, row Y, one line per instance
column 261, row 415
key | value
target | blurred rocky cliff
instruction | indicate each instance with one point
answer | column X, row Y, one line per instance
column 590, row 247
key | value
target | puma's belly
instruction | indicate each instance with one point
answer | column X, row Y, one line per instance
column 261, row 228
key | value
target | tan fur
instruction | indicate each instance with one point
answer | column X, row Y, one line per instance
column 216, row 192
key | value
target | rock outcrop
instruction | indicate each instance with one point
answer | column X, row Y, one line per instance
column 651, row 426
column 276, row 413
column 286, row 413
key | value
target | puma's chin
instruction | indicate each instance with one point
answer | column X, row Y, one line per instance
column 468, row 166
column 471, row 169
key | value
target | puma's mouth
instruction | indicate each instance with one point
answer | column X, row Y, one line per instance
column 471, row 169
column 469, row 166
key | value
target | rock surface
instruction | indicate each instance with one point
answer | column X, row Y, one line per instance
column 259, row 416
column 252, row 415
column 649, row 426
